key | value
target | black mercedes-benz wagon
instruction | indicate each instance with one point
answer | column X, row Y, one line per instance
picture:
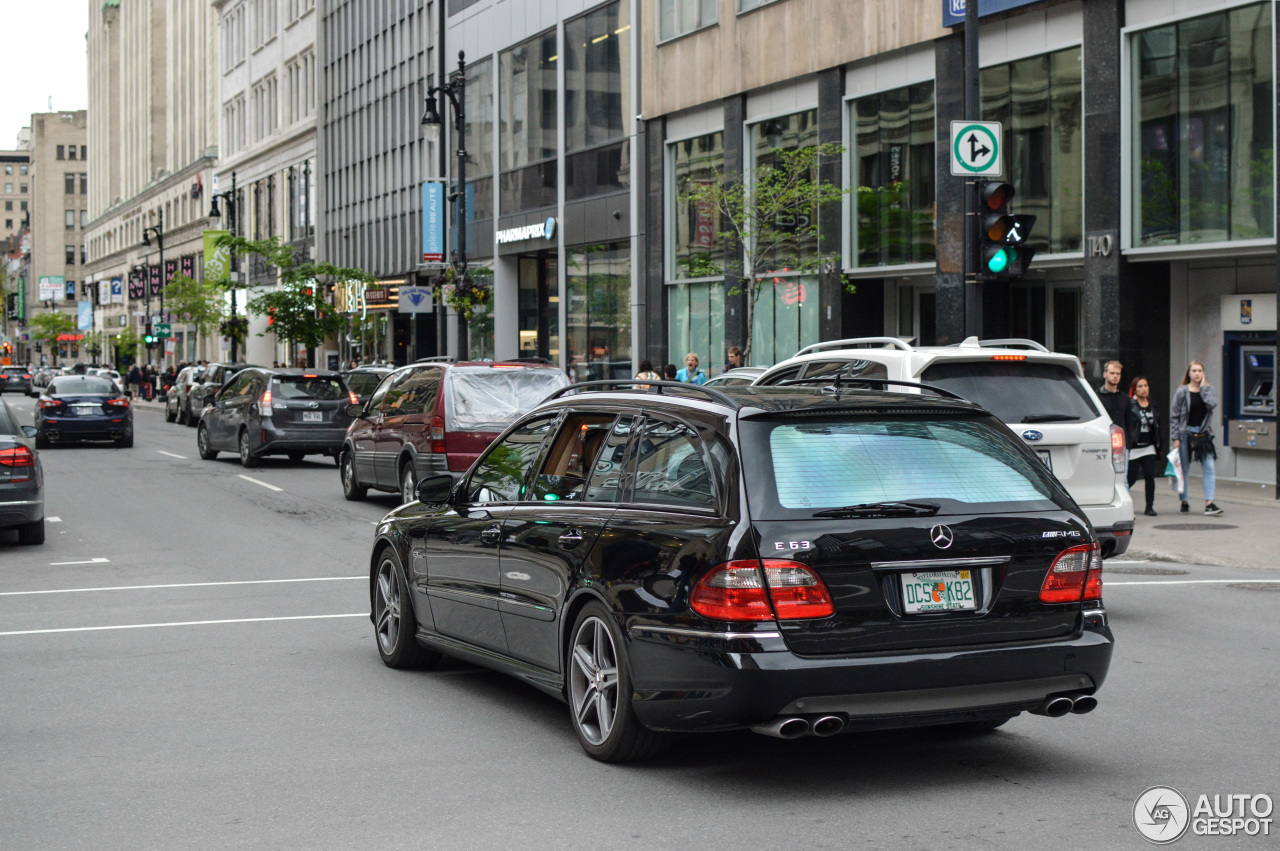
column 797, row 561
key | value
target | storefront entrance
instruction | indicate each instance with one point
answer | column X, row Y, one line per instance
column 540, row 306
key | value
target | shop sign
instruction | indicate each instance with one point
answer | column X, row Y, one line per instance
column 542, row 230
column 104, row 292
column 117, row 291
column 433, row 221
column 349, row 297
column 415, row 300
column 953, row 10
column 52, row 287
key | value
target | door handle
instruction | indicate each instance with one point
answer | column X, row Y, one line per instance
column 491, row 535
column 571, row 539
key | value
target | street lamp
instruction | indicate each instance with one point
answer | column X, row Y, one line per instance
column 214, row 213
column 456, row 92
column 157, row 230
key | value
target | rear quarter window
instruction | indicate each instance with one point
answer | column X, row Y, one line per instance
column 1017, row 391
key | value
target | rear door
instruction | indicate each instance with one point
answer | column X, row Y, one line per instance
column 967, row 573
column 406, row 419
column 364, row 435
column 229, row 410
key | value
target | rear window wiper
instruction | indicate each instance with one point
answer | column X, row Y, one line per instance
column 1051, row 418
column 882, row 509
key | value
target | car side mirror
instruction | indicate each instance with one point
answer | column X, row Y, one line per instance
column 355, row 411
column 435, row 490
column 30, row 431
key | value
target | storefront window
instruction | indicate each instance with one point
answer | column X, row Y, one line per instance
column 786, row 318
column 598, row 284
column 694, row 240
column 1203, row 147
column 786, row 133
column 696, row 324
column 527, row 123
column 480, row 328
column 894, row 169
column 1038, row 101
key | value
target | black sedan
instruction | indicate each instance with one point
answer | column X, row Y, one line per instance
column 791, row 561
column 83, row 407
column 21, row 479
column 15, row 379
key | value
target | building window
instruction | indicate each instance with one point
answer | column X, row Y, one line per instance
column 8, row 170
column 527, row 124
column 266, row 115
column 892, row 169
column 84, row 152
column 8, row 224
column 84, row 218
column 61, row 152
column 301, row 76
column 597, row 99
column 70, row 219
column 1038, row 100
column 71, row 255
column 298, row 8
column 479, row 135
column 784, row 133
column 69, row 183
column 23, row 187
column 1203, row 147
column 84, row 184
column 677, row 17
column 8, row 206
column 598, row 286
column 8, row 189
column 696, row 324
column 22, row 170
column 694, row 229
column 71, row 152
column 83, row 254
column 264, row 21
column 748, row 5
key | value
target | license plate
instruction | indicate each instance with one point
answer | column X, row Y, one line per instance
column 87, row 410
column 938, row 591
column 312, row 416
column 1044, row 456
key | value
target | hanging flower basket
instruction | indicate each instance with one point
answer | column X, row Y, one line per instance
column 463, row 294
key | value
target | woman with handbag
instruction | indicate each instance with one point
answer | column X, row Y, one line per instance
column 1142, row 429
column 1191, row 426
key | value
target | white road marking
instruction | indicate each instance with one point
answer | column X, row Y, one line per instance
column 259, row 482
column 53, row 519
column 1109, row 584
column 178, row 585
column 171, row 455
column 180, row 623
column 90, row 561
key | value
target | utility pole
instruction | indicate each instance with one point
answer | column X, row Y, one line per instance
column 972, row 112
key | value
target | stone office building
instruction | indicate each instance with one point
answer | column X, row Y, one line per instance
column 1141, row 133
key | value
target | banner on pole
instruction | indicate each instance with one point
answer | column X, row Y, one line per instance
column 433, row 221
column 217, row 259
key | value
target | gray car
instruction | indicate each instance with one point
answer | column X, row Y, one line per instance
column 202, row 392
column 176, row 407
column 15, row 378
column 21, row 479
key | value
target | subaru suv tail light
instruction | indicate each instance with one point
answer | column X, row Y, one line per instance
column 1076, row 575
column 1117, row 449
column 736, row 591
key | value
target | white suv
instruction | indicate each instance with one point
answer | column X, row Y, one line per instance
column 1042, row 396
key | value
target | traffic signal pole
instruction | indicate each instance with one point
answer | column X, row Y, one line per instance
column 972, row 112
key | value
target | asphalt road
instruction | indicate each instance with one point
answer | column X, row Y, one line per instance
column 209, row 679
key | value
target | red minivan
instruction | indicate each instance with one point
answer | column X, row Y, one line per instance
column 427, row 419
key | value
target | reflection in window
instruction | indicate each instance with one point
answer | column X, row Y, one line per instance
column 786, row 318
column 597, row 70
column 670, row 469
column 786, row 133
column 1038, row 100
column 500, row 475
column 893, row 163
column 677, row 17
column 1203, row 137
column 527, row 120
column 696, row 324
column 598, row 283
column 695, row 228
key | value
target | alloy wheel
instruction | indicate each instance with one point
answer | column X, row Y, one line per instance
column 202, row 440
column 593, row 680
column 408, row 485
column 387, row 608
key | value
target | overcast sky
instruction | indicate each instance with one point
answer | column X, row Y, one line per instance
column 43, row 56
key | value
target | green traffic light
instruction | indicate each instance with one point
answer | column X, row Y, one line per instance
column 998, row 261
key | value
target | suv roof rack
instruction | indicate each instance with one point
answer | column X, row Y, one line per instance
column 432, row 359
column 1003, row 343
column 857, row 342
column 652, row 387
column 837, row 385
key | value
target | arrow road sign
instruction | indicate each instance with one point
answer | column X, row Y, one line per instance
column 975, row 148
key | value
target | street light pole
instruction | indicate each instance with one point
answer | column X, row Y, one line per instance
column 456, row 92
column 158, row 231
column 231, row 200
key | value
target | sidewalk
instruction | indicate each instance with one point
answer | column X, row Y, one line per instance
column 1246, row 534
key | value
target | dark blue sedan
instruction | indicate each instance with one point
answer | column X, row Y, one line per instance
column 83, row 407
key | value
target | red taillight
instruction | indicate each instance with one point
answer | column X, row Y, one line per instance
column 1117, row 449
column 437, row 434
column 1008, row 357
column 119, row 403
column 736, row 591
column 1076, row 575
column 49, row 403
column 264, row 404
column 17, row 457
column 27, row 377
column 351, row 394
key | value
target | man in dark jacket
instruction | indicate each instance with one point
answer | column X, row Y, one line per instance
column 1114, row 401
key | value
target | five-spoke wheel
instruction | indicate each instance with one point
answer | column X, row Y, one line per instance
column 393, row 619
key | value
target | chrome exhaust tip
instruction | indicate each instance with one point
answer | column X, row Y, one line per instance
column 783, row 728
column 1054, row 707
column 1084, row 704
column 828, row 725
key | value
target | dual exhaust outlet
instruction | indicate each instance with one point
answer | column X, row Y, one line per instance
column 1057, row 706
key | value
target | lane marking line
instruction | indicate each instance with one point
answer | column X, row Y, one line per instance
column 53, row 519
column 1107, row 584
column 90, row 561
column 179, row 623
column 172, row 455
column 260, row 482
column 178, row 585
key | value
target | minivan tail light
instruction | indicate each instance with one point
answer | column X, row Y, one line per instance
column 1076, row 574
column 736, row 591
column 1117, row 449
column 437, row 434
column 18, row 457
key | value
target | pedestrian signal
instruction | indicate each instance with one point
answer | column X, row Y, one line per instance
column 1002, row 245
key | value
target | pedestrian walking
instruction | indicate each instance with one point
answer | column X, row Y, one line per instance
column 135, row 381
column 646, row 372
column 691, row 374
column 735, row 358
column 1114, row 401
column 1191, row 427
column 1142, row 431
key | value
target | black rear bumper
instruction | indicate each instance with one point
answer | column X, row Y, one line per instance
column 1115, row 541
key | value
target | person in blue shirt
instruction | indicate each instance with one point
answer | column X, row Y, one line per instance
column 691, row 374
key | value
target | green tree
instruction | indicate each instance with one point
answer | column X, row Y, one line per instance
column 48, row 327
column 203, row 303
column 773, row 215
column 127, row 343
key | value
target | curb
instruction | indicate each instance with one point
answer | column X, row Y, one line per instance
column 1185, row 558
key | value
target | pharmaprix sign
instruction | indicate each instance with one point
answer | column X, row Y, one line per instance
column 542, row 230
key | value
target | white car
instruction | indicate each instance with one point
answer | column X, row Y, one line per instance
column 1042, row 396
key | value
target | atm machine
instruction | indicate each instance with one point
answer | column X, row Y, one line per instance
column 1249, row 372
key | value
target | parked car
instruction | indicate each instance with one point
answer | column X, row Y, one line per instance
column 1041, row 396
column 40, row 378
column 202, row 392
column 15, row 379
column 83, row 407
column 21, row 479
column 293, row 412
column 436, row 418
column 780, row 559
column 176, row 405
column 364, row 380
column 736, row 377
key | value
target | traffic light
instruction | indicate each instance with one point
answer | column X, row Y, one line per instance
column 1002, row 248
column 150, row 338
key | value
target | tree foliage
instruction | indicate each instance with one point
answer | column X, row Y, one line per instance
column 50, row 326
column 127, row 343
column 202, row 303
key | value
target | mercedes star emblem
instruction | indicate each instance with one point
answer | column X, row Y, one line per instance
column 941, row 536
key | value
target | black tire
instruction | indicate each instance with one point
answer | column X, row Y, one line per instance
column 42, row 442
column 247, row 458
column 31, row 533
column 297, row 457
column 408, row 483
column 597, row 647
column 351, row 489
column 394, row 624
column 202, row 444
column 125, row 442
column 183, row 417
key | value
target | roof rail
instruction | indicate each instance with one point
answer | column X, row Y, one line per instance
column 838, row 386
column 434, row 359
column 651, row 387
column 857, row 342
column 1009, row 343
